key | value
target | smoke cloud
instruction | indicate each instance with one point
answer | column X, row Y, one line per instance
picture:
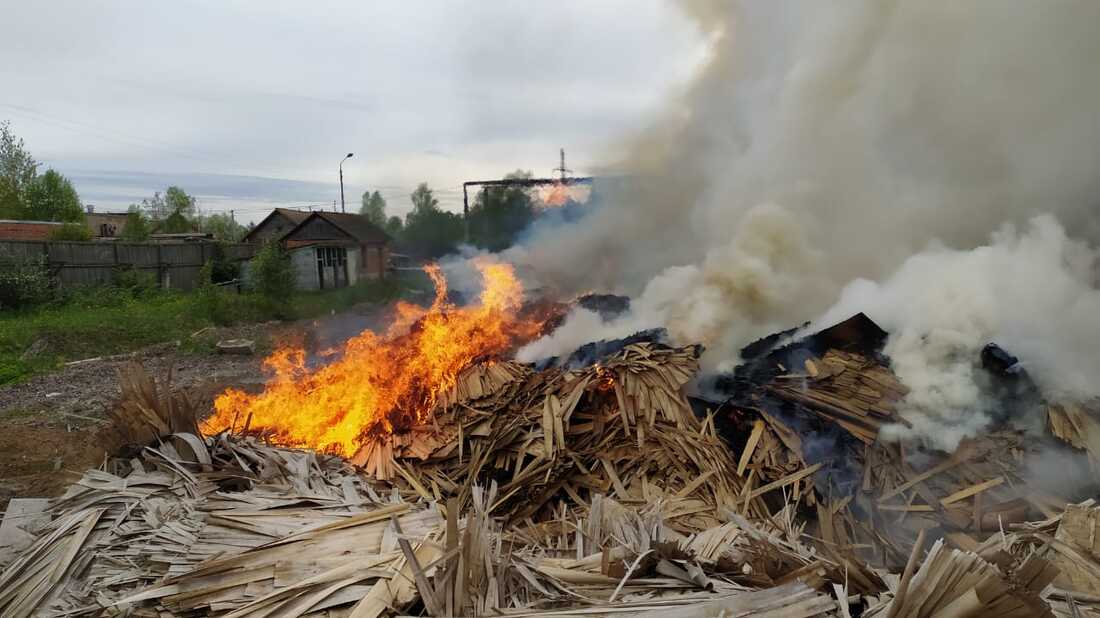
column 861, row 141
column 1032, row 291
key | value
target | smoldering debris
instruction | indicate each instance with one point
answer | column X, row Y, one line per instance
column 592, row 352
column 608, row 306
column 832, row 389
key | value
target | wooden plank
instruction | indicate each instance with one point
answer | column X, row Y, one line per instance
column 963, row 494
column 750, row 446
column 427, row 591
column 783, row 482
column 21, row 515
column 927, row 474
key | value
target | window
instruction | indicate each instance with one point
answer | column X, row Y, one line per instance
column 332, row 256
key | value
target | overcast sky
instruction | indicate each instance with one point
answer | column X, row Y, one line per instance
column 252, row 104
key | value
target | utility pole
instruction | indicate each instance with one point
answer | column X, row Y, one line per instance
column 561, row 167
column 465, row 215
column 342, row 208
column 516, row 182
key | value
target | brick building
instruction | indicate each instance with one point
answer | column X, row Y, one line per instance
column 11, row 229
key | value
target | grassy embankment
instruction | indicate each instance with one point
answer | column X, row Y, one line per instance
column 104, row 321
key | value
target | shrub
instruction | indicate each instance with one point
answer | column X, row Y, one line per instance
column 223, row 306
column 24, row 283
column 138, row 282
column 223, row 270
column 137, row 228
column 272, row 273
column 71, row 231
column 209, row 299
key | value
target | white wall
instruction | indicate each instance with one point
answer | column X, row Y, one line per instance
column 304, row 260
column 353, row 265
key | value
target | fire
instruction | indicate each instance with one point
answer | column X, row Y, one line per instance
column 385, row 382
column 559, row 194
column 605, row 380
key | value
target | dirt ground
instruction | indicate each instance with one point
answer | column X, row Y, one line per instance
column 48, row 424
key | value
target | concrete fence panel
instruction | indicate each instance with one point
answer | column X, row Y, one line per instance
column 175, row 265
column 138, row 256
column 22, row 251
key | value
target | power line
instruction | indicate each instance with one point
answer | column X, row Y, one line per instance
column 118, row 138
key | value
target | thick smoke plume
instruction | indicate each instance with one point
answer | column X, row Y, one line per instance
column 1031, row 291
column 826, row 143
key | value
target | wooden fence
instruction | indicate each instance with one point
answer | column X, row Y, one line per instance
column 175, row 265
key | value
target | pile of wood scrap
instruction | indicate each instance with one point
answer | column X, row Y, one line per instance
column 1079, row 426
column 1069, row 540
column 976, row 489
column 552, row 440
column 535, row 497
column 146, row 411
column 838, row 393
column 857, row 393
column 952, row 582
column 1075, row 549
column 246, row 529
column 578, row 489
column 174, row 506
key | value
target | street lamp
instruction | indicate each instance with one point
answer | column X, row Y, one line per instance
column 350, row 155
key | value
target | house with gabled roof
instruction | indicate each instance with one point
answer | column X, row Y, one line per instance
column 276, row 225
column 332, row 250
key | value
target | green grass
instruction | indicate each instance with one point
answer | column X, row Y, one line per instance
column 105, row 321
column 310, row 304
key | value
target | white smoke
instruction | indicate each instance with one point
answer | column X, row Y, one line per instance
column 762, row 277
column 827, row 142
column 1032, row 292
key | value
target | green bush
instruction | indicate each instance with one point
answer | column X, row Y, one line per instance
column 137, row 227
column 272, row 274
column 223, row 270
column 138, row 282
column 71, row 231
column 223, row 306
column 90, row 297
column 24, row 283
column 209, row 300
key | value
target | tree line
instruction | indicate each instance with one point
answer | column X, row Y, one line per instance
column 497, row 218
column 26, row 194
column 176, row 212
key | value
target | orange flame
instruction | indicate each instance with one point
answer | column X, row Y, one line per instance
column 605, row 380
column 559, row 194
column 382, row 383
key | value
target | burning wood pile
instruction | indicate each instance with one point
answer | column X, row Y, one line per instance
column 582, row 488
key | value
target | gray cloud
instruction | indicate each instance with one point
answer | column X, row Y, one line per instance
column 258, row 100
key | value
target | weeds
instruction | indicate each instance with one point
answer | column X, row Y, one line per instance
column 109, row 320
column 272, row 273
column 24, row 283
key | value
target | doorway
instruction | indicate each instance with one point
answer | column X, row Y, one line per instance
column 332, row 267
